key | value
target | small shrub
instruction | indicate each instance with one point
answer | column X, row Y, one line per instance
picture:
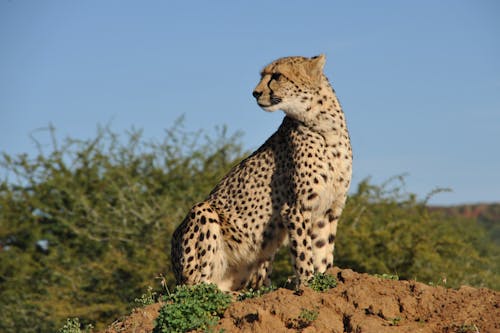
column 441, row 281
column 321, row 282
column 394, row 321
column 308, row 316
column 146, row 299
column 466, row 328
column 250, row 293
column 73, row 326
column 192, row 307
column 305, row 319
column 384, row 276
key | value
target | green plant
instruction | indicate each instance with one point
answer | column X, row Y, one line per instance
column 146, row 299
column 305, row 319
column 308, row 316
column 441, row 281
column 321, row 282
column 467, row 328
column 250, row 293
column 394, row 321
column 384, row 276
column 73, row 326
column 192, row 307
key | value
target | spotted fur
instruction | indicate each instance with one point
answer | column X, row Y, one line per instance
column 291, row 190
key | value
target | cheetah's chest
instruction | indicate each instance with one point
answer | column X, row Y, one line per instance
column 321, row 174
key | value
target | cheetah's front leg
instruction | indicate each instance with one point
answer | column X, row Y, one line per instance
column 323, row 237
column 299, row 233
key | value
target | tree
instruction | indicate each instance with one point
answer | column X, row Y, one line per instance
column 86, row 228
column 385, row 230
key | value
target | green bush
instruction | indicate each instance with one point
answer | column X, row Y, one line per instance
column 384, row 276
column 384, row 230
column 308, row 316
column 192, row 307
column 85, row 227
column 305, row 319
column 322, row 282
column 73, row 326
column 250, row 293
column 148, row 298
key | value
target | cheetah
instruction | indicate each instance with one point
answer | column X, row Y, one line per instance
column 290, row 191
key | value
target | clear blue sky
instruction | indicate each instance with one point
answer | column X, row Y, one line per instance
column 419, row 80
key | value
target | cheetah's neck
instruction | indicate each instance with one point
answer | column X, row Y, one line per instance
column 325, row 115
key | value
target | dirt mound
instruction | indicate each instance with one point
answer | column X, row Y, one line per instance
column 359, row 303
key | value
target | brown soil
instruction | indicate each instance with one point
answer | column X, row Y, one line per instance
column 360, row 303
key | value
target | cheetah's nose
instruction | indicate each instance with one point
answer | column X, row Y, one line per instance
column 257, row 94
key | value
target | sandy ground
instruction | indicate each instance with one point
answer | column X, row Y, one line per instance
column 359, row 303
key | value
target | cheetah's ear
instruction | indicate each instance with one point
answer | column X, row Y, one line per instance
column 319, row 60
column 316, row 65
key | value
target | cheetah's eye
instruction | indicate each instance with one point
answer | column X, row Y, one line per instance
column 275, row 76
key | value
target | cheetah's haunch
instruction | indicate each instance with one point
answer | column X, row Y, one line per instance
column 293, row 188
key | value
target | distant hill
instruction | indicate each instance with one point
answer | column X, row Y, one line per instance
column 488, row 215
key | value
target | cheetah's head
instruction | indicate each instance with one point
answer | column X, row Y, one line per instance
column 289, row 84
